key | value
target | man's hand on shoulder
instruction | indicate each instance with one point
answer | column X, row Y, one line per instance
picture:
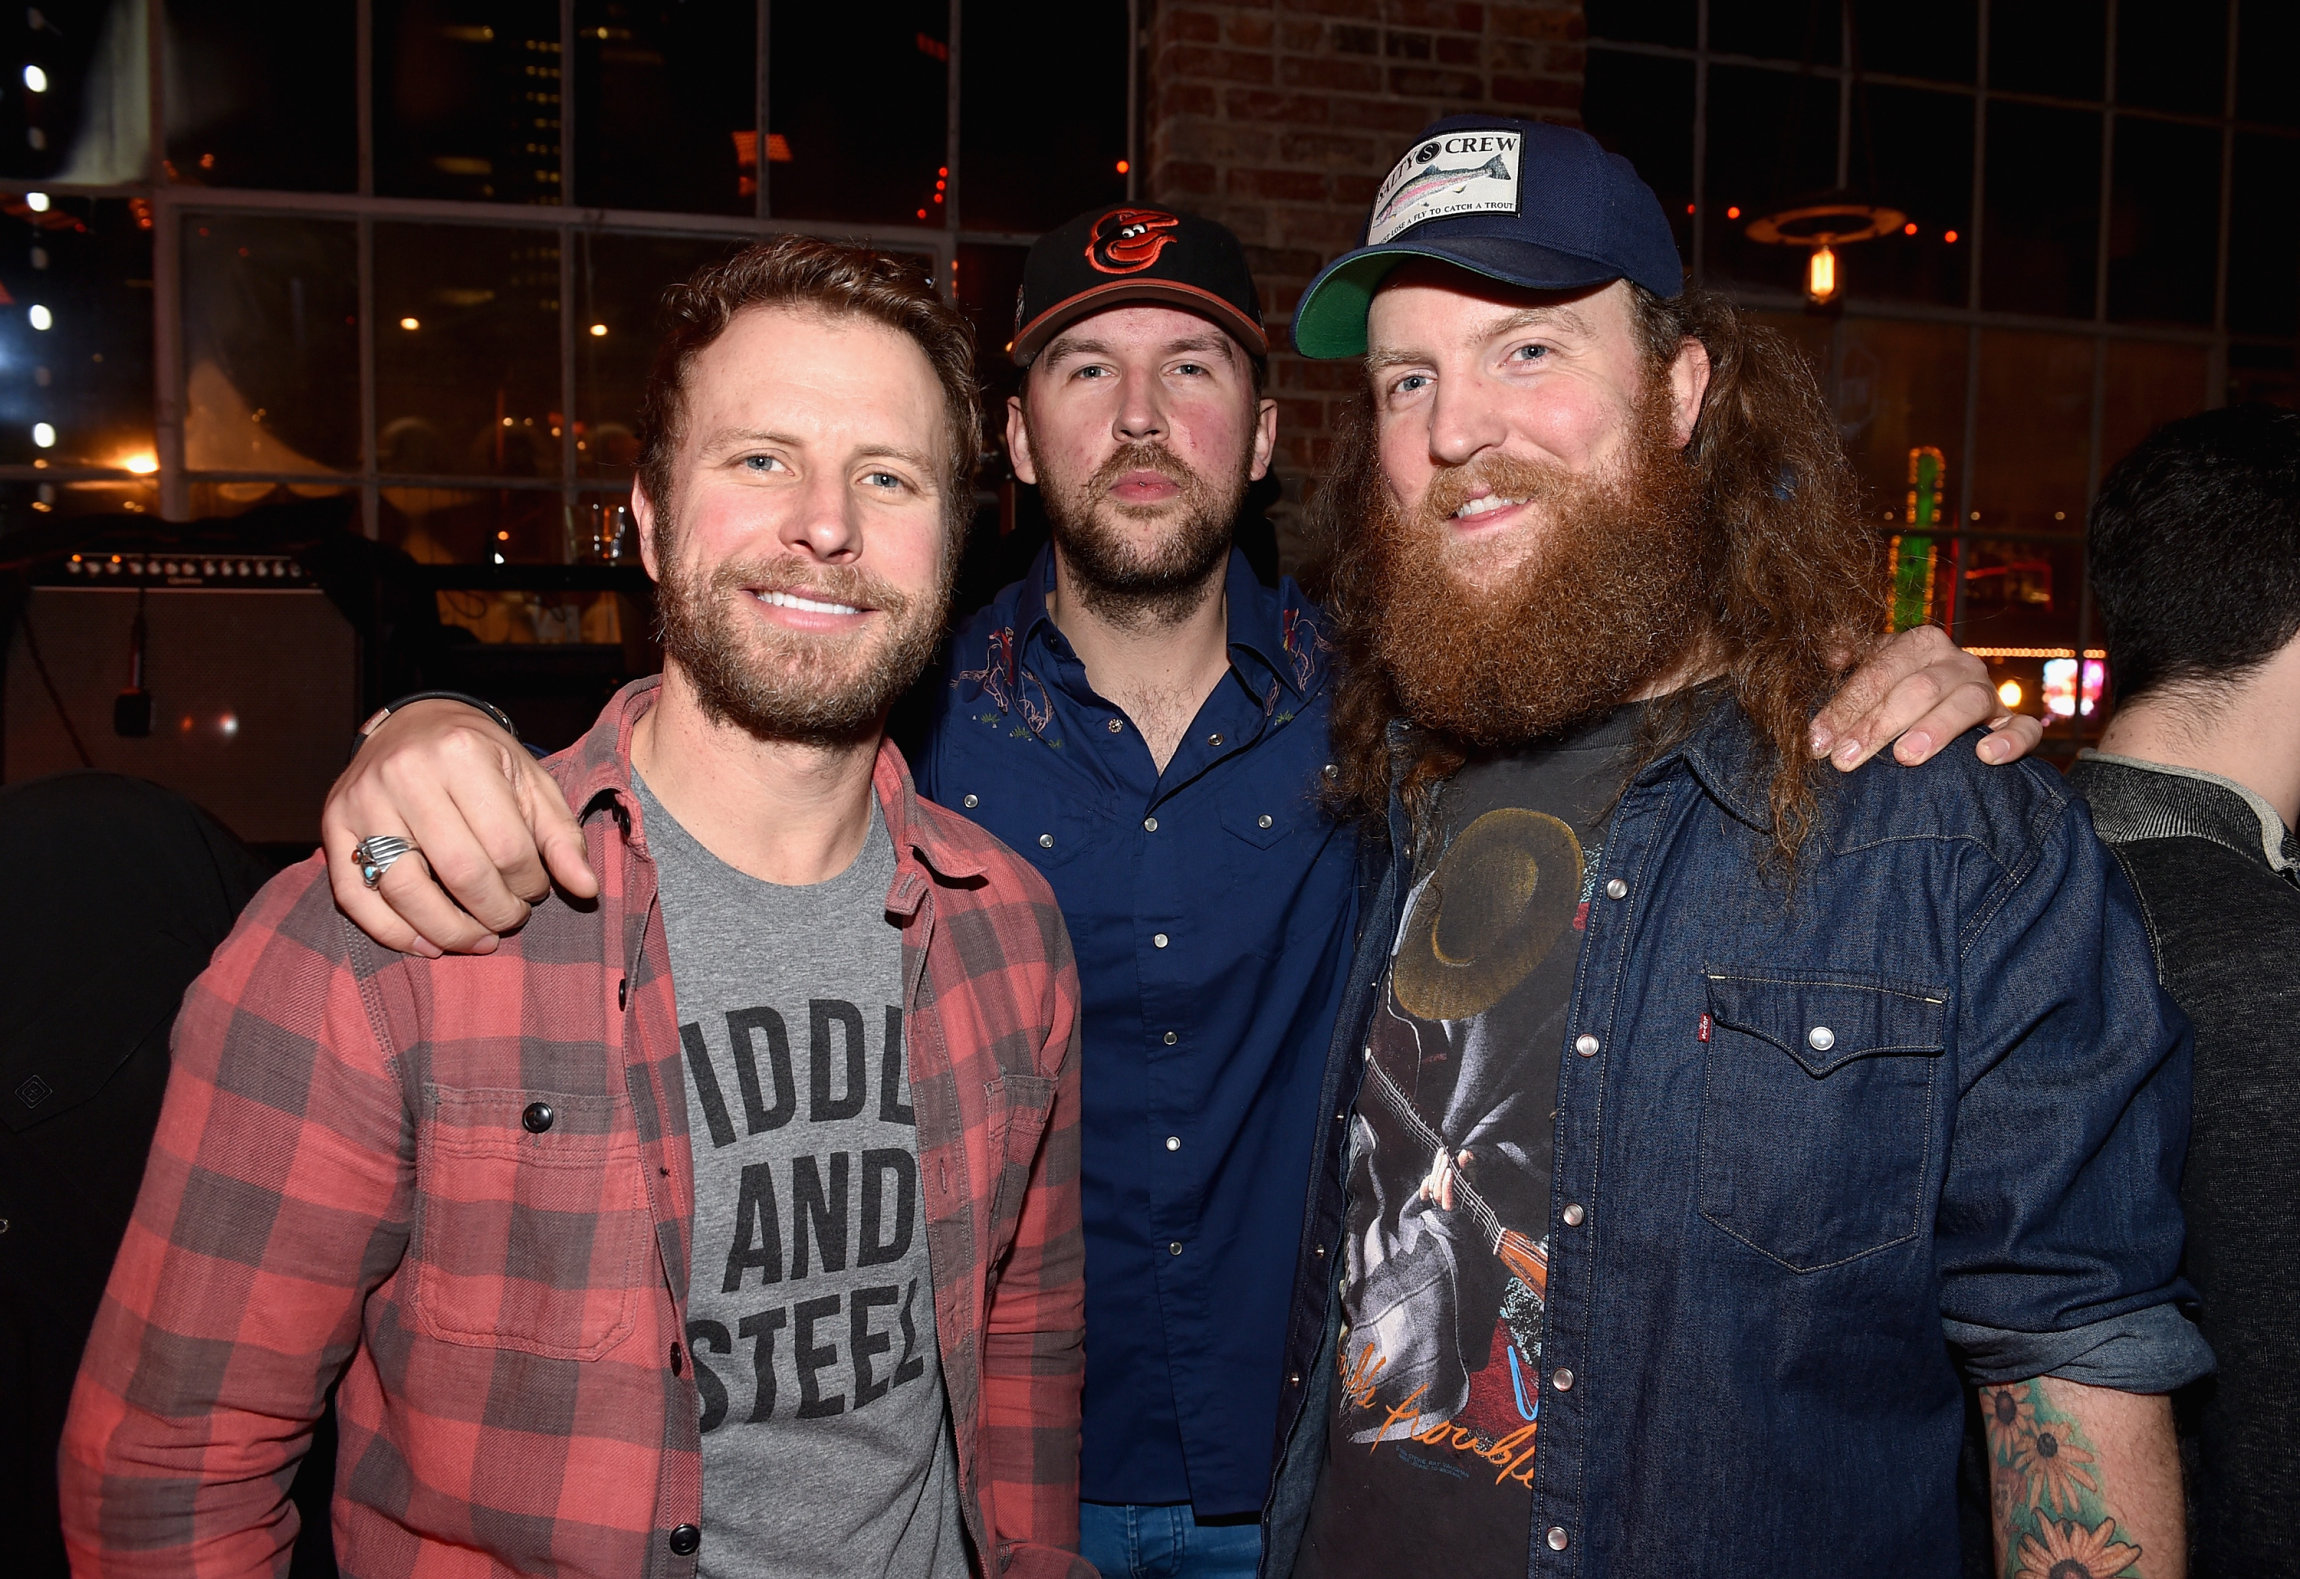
column 1916, row 693
column 491, row 832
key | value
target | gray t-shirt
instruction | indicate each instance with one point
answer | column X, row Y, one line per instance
column 827, row 1447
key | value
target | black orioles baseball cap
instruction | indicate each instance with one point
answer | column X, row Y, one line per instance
column 1522, row 202
column 1132, row 253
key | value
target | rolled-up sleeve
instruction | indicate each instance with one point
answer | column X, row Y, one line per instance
column 2059, row 1234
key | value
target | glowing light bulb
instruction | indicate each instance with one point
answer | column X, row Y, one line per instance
column 39, row 317
column 599, row 331
column 2009, row 693
column 37, row 202
column 411, row 323
column 44, row 435
column 143, row 463
column 1821, row 274
column 35, row 80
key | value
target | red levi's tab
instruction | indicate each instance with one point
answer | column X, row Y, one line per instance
column 1703, row 1033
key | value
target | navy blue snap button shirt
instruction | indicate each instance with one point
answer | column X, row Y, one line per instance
column 1211, row 909
column 1821, row 1160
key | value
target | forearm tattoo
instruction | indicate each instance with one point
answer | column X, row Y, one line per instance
column 2046, row 1490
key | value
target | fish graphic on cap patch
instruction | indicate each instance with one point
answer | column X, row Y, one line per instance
column 1437, row 180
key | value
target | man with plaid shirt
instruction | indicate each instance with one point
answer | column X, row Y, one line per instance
column 468, row 1193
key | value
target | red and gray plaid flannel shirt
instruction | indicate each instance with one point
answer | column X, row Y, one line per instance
column 342, row 1184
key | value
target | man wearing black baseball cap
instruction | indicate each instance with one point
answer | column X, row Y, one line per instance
column 1712, row 1127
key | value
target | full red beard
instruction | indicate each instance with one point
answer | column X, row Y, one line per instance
column 788, row 685
column 1604, row 604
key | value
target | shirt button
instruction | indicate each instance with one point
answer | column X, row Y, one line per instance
column 1214, row 740
column 1172, row 1037
column 1820, row 1038
column 678, row 1361
column 537, row 1118
column 1562, row 1380
column 1557, row 1537
column 1046, row 841
column 1615, row 888
column 1149, row 825
column 1262, row 821
column 971, row 802
column 1573, row 1214
column 1114, row 726
column 1173, row 1143
column 1293, row 1378
column 1586, row 1045
column 1174, row 1247
column 1318, row 1251
column 684, row 1539
column 1157, row 940
column 623, row 993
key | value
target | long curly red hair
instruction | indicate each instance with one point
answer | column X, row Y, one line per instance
column 1791, row 576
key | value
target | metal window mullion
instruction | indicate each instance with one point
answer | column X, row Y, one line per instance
column 1701, row 140
column 947, row 252
column 566, row 250
column 762, row 89
column 363, row 95
column 1134, row 54
column 2216, row 372
column 370, row 456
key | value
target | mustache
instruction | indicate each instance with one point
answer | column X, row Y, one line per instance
column 1143, row 457
column 846, row 584
column 1505, row 476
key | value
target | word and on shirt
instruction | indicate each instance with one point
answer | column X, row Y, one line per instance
column 804, row 1214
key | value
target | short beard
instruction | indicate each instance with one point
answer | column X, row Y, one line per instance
column 1606, row 603
column 783, row 686
column 1165, row 584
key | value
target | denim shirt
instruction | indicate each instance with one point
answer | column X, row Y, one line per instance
column 1211, row 906
column 1834, row 1155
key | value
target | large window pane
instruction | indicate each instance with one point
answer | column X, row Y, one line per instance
column 1808, row 31
column 467, row 351
column 1642, row 108
column 2148, row 385
column 263, row 93
column 1913, row 151
column 271, row 357
column 619, row 293
column 2049, row 46
column 2034, row 433
column 2268, row 41
column 467, row 99
column 1936, row 40
column 1900, row 388
column 1644, row 21
column 76, row 335
column 871, row 154
column 1023, row 172
column 666, row 99
column 91, row 122
column 1772, row 140
column 2173, row 54
column 2264, row 236
column 2043, row 210
column 478, row 526
column 2164, row 222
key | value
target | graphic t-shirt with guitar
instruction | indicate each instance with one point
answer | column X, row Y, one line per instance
column 1430, row 1448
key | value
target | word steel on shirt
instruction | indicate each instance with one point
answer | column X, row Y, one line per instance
column 810, row 1222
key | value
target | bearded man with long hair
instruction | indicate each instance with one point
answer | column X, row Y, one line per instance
column 1708, row 1124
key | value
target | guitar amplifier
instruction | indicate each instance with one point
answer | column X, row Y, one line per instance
column 251, row 674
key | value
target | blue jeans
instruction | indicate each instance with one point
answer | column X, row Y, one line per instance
column 1165, row 1541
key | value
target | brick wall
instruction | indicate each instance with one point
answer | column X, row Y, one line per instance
column 1278, row 118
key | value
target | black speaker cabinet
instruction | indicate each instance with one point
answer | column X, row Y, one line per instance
column 253, row 679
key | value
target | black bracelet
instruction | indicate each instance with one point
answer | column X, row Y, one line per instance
column 489, row 708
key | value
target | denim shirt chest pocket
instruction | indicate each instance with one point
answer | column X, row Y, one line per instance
column 1816, row 1129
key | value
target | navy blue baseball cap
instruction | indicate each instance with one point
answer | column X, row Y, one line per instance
column 1522, row 202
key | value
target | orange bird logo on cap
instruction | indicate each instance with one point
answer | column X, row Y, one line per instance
column 1128, row 240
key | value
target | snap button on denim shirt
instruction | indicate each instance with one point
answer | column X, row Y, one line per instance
column 1823, row 1157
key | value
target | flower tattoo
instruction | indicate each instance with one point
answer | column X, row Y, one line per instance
column 2070, row 1551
